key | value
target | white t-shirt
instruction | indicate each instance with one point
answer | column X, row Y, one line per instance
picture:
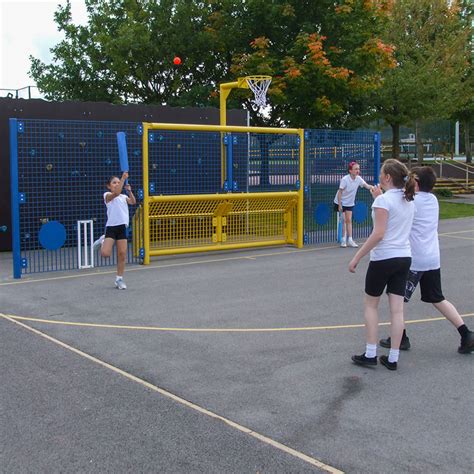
column 424, row 234
column 117, row 210
column 396, row 241
column 349, row 188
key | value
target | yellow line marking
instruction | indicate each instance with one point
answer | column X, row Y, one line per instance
column 186, row 403
column 213, row 330
column 457, row 232
column 169, row 265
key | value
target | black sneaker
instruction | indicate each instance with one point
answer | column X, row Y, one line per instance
column 404, row 345
column 467, row 343
column 390, row 365
column 365, row 361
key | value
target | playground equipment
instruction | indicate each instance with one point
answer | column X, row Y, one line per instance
column 244, row 212
column 257, row 84
column 199, row 188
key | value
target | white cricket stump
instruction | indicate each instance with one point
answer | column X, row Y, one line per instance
column 85, row 240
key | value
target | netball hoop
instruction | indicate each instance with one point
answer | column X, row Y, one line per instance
column 257, row 84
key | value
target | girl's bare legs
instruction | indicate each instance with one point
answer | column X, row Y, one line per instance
column 371, row 315
column 121, row 256
column 448, row 310
column 396, row 319
column 107, row 246
column 348, row 224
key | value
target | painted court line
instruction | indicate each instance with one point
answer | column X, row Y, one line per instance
column 169, row 265
column 457, row 232
column 211, row 330
column 286, row 449
column 458, row 237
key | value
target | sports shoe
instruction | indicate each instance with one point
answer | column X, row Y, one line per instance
column 120, row 284
column 351, row 243
column 98, row 243
column 365, row 361
column 467, row 343
column 343, row 243
column 404, row 344
column 390, row 365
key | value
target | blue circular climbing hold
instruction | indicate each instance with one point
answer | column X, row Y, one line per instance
column 360, row 212
column 52, row 235
column 322, row 213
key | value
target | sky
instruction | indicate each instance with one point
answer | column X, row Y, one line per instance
column 27, row 28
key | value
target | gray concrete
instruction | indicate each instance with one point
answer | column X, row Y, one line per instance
column 461, row 198
column 61, row 412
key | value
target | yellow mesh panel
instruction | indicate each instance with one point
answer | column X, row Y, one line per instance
column 201, row 222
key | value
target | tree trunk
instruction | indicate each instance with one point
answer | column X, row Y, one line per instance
column 419, row 141
column 467, row 141
column 395, row 140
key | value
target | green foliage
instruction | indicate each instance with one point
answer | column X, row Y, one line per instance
column 443, row 192
column 125, row 54
column 326, row 57
column 430, row 50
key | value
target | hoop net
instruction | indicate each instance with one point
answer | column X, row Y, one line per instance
column 259, row 86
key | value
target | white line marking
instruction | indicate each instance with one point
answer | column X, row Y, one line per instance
column 193, row 406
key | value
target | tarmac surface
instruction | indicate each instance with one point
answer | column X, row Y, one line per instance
column 231, row 362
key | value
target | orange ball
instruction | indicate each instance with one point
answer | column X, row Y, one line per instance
column 177, row 60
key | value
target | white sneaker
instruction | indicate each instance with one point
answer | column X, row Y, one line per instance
column 343, row 243
column 98, row 243
column 120, row 284
column 351, row 243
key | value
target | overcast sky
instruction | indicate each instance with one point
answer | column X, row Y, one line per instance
column 28, row 27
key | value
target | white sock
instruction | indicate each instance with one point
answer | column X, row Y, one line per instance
column 371, row 350
column 393, row 355
column 118, row 277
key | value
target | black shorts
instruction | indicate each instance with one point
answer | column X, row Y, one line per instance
column 344, row 208
column 430, row 286
column 116, row 232
column 391, row 273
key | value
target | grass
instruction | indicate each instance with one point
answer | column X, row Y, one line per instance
column 455, row 210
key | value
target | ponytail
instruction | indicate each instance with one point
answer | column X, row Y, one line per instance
column 409, row 190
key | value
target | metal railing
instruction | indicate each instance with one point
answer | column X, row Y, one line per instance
column 15, row 93
column 468, row 169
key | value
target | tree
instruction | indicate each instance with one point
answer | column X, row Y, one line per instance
column 125, row 53
column 465, row 110
column 326, row 57
column 429, row 45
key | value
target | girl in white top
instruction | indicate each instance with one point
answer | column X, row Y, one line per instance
column 390, row 258
column 117, row 223
column 344, row 201
column 425, row 263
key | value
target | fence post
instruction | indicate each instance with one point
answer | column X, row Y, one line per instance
column 377, row 144
column 15, row 198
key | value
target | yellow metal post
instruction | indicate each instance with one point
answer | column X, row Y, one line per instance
column 146, row 204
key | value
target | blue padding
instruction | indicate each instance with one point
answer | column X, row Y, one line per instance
column 52, row 235
column 322, row 213
column 359, row 213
